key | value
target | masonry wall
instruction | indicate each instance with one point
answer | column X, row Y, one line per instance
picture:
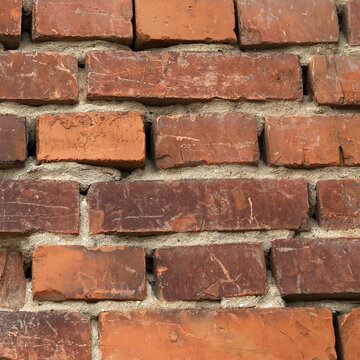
column 179, row 179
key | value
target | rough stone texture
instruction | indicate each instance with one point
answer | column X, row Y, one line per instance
column 210, row 271
column 12, row 281
column 251, row 334
column 100, row 138
column 352, row 21
column 335, row 80
column 168, row 22
column 10, row 23
column 317, row 268
column 338, row 204
column 282, row 22
column 43, row 205
column 83, row 20
column 198, row 205
column 82, row 273
column 190, row 140
column 168, row 77
column 38, row 78
column 349, row 334
column 44, row 336
column 13, row 141
column 312, row 140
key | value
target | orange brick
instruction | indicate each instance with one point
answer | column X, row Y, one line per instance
column 349, row 334
column 352, row 21
column 10, row 23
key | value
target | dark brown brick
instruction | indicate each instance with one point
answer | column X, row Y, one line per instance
column 44, row 336
column 39, row 205
column 197, row 205
column 210, row 271
column 13, row 141
column 352, row 21
column 349, row 334
column 10, row 23
column 190, row 140
column 171, row 77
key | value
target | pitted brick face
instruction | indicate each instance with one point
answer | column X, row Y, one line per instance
column 10, row 23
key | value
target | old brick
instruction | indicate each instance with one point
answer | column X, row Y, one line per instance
column 335, row 80
column 81, row 273
column 10, row 23
column 168, row 77
column 349, row 334
column 352, row 21
column 189, row 140
column 197, row 205
column 231, row 334
column 83, row 20
column 338, row 204
column 38, row 78
column 278, row 22
column 12, row 281
column 13, row 141
column 312, row 140
column 39, row 205
column 168, row 22
column 101, row 138
column 317, row 268
column 210, row 271
column 44, row 336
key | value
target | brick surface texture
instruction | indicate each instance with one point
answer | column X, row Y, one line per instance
column 10, row 23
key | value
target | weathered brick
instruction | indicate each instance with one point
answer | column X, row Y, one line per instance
column 44, row 336
column 197, row 205
column 349, row 334
column 231, row 334
column 352, row 21
column 312, row 140
column 169, row 77
column 38, row 78
column 338, row 204
column 13, row 141
column 12, row 281
column 81, row 273
column 317, row 268
column 10, row 23
column 39, row 205
column 190, row 140
column 210, row 271
column 335, row 80
column 278, row 22
column 168, row 22
column 101, row 138
column 83, row 20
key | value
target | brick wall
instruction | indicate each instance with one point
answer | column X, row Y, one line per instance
column 179, row 179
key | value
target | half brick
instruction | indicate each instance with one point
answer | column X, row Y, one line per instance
column 10, row 23
column 349, row 333
column 352, row 21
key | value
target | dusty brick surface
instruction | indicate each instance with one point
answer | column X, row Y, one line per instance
column 82, row 273
column 352, row 21
column 218, row 334
column 101, row 138
column 10, row 23
column 190, row 140
column 171, row 77
column 349, row 333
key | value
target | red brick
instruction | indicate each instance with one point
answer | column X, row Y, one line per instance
column 83, row 20
column 12, row 281
column 338, row 204
column 335, row 80
column 190, row 140
column 168, row 22
column 317, row 268
column 349, row 333
column 44, row 335
column 170, row 77
column 278, row 22
column 13, row 141
column 231, row 334
column 80, row 273
column 101, row 138
column 352, row 21
column 312, row 140
column 210, row 271
column 198, row 205
column 39, row 205
column 10, row 23
column 38, row 78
